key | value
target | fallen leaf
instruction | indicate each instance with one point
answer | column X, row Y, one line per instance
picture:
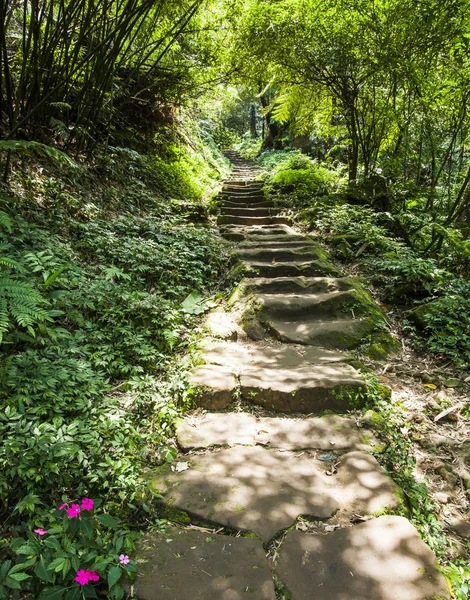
column 449, row 413
column 181, row 466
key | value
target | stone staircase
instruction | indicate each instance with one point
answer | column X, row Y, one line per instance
column 288, row 484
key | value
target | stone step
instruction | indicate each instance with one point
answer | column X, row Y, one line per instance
column 306, row 307
column 289, row 269
column 260, row 204
column 276, row 377
column 308, row 390
column 344, row 334
column 184, row 564
column 246, row 211
column 274, row 220
column 381, row 559
column 233, row 429
column 242, row 194
column 268, row 254
column 258, row 232
column 296, row 285
column 265, row 491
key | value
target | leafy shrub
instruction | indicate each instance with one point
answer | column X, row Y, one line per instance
column 296, row 179
column 88, row 395
column 69, row 553
column 447, row 325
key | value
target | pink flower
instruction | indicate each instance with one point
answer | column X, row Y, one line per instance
column 40, row 531
column 124, row 559
column 73, row 511
column 82, row 577
column 87, row 504
column 62, row 506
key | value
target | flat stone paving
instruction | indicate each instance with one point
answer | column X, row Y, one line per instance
column 181, row 564
column 382, row 559
column 276, row 469
column 331, row 432
column 264, row 491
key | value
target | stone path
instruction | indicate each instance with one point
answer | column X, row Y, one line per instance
column 291, row 492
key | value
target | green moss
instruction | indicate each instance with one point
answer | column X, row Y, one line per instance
column 174, row 515
column 420, row 315
column 382, row 344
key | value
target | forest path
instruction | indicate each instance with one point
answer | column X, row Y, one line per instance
column 294, row 496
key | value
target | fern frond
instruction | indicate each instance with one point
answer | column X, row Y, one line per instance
column 5, row 221
column 41, row 149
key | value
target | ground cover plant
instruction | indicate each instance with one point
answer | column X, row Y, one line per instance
column 100, row 299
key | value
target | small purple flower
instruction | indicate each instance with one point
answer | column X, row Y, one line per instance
column 40, row 531
column 124, row 559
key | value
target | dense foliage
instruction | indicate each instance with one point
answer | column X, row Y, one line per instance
column 100, row 294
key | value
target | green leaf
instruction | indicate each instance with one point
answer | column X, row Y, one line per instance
column 19, row 576
column 117, row 593
column 4, row 569
column 55, row 593
column 42, row 149
column 74, row 593
column 42, row 572
column 87, row 528
column 57, row 564
column 25, row 549
column 89, row 591
column 12, row 583
column 114, row 575
column 108, row 520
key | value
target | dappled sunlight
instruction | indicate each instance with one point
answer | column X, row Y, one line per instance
column 382, row 559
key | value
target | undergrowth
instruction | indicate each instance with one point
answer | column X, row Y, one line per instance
column 388, row 247
column 104, row 273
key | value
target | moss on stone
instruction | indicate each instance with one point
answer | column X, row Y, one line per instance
column 381, row 345
column 174, row 515
column 419, row 315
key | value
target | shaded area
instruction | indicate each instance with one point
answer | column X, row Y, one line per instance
column 181, row 564
column 383, row 559
column 263, row 491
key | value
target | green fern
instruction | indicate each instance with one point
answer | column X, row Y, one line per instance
column 41, row 149
column 20, row 303
column 5, row 221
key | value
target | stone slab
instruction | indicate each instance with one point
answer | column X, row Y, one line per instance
column 269, row 355
column 181, row 564
column 342, row 334
column 249, row 488
column 382, row 559
column 331, row 432
column 287, row 378
column 216, row 429
column 362, row 486
column 264, row 491
column 212, row 385
column 308, row 389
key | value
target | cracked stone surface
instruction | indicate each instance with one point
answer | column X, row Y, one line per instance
column 181, row 564
column 264, row 491
column 382, row 559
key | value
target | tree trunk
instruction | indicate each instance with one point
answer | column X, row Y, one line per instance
column 253, row 132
